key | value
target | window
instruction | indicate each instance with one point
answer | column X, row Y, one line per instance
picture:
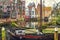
column 46, row 19
column 27, row 24
column 32, row 16
column 13, row 15
column 33, row 24
column 6, row 15
column 8, row 6
column 27, row 13
column 32, row 12
column 0, row 6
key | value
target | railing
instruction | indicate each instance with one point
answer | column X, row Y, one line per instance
column 7, row 20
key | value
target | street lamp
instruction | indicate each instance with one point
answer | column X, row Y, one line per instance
column 56, row 34
column 56, row 28
column 40, row 28
column 3, row 33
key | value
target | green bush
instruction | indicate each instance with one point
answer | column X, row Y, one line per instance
column 13, row 24
column 44, row 26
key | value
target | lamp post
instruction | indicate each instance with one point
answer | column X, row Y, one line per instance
column 3, row 33
column 40, row 28
column 56, row 34
column 56, row 28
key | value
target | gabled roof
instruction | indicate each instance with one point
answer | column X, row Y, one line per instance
column 31, row 4
column 44, row 8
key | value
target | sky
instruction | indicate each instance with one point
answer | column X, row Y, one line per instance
column 46, row 3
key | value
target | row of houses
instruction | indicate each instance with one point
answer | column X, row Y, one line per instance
column 31, row 14
column 34, row 14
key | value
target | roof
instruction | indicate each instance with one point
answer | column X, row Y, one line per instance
column 44, row 8
column 31, row 4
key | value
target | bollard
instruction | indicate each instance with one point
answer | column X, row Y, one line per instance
column 56, row 34
column 3, row 33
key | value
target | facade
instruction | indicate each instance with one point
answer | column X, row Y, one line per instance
column 31, row 15
column 14, row 8
column 46, row 12
column 5, row 11
column 34, row 14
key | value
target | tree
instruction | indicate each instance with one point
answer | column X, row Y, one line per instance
column 56, row 12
